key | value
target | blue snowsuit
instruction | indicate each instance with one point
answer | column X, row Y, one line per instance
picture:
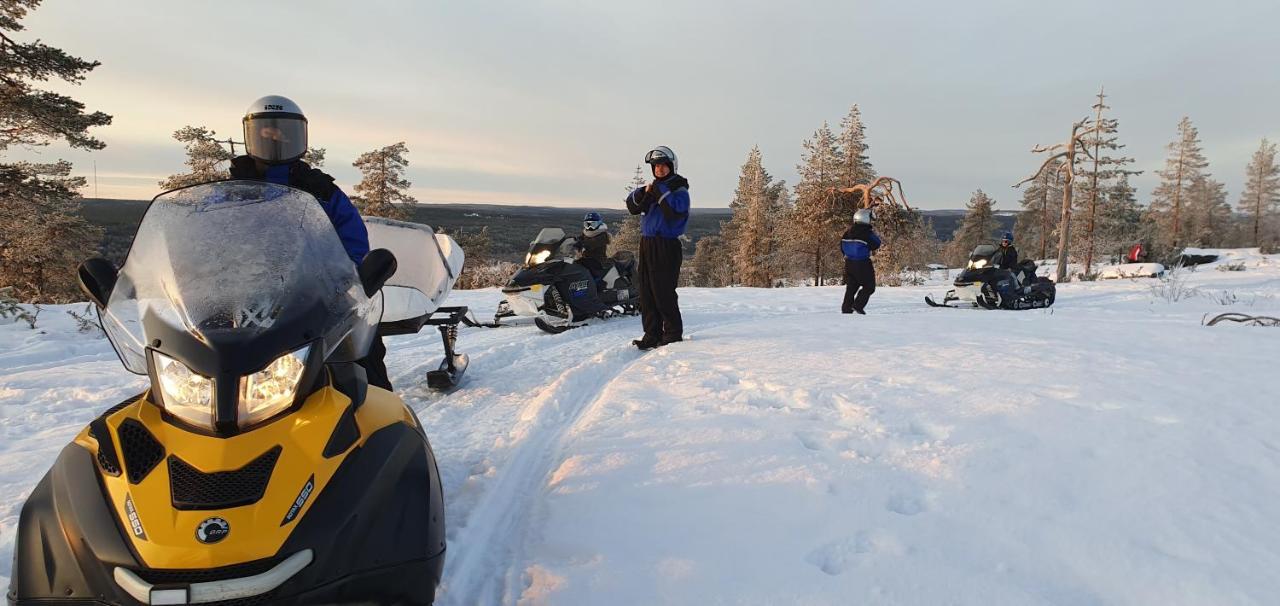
column 857, row 244
column 666, row 212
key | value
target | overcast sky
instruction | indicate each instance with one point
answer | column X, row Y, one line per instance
column 555, row 101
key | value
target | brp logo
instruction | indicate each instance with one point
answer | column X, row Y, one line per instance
column 212, row 530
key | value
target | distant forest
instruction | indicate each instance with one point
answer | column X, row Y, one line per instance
column 510, row 227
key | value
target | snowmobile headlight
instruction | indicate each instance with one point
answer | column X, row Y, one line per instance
column 271, row 390
column 185, row 394
column 979, row 264
column 537, row 259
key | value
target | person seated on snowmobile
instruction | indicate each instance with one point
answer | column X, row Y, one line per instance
column 275, row 139
column 1007, row 256
column 592, row 245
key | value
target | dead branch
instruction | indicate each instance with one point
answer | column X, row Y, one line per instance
column 878, row 192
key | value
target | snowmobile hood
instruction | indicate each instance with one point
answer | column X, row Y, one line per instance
column 192, row 501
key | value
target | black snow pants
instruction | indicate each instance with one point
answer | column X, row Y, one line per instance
column 657, row 277
column 374, row 364
column 859, row 283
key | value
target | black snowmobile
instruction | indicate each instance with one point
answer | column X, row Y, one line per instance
column 989, row 287
column 562, row 294
column 259, row 467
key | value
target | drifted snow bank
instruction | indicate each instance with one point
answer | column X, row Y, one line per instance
column 1109, row 451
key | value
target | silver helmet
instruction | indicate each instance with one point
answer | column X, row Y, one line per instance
column 662, row 153
column 863, row 216
column 275, row 130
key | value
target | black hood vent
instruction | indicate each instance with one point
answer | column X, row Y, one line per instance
column 193, row 489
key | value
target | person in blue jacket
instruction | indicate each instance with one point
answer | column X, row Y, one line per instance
column 275, row 139
column 664, row 202
column 857, row 244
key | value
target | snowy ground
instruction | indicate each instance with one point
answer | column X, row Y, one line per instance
column 1109, row 451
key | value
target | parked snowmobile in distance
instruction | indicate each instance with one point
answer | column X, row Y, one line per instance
column 561, row 294
column 989, row 287
column 259, row 467
column 429, row 265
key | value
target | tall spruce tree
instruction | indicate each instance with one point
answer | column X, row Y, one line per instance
column 1119, row 219
column 977, row 227
column 1261, row 196
column 1184, row 165
column 383, row 190
column 816, row 220
column 751, row 231
column 1209, row 223
column 855, row 165
column 206, row 158
column 42, row 232
column 1101, row 168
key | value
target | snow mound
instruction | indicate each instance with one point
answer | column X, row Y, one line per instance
column 1131, row 270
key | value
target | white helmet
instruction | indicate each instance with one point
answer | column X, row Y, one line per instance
column 662, row 153
column 862, row 216
column 275, row 130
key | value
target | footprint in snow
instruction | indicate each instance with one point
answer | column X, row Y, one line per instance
column 837, row 557
column 905, row 504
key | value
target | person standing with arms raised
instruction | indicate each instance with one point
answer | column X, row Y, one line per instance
column 664, row 202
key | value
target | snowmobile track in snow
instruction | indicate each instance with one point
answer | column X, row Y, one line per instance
column 494, row 531
column 485, row 565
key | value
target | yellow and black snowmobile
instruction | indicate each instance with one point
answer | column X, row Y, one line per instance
column 260, row 467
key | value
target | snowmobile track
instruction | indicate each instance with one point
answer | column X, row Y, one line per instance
column 485, row 565
column 495, row 530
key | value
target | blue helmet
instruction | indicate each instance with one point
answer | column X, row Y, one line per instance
column 592, row 221
column 1008, row 237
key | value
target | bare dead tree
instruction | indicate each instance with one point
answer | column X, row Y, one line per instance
column 1066, row 152
column 877, row 192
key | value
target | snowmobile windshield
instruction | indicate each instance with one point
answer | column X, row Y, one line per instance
column 240, row 268
column 983, row 251
column 548, row 235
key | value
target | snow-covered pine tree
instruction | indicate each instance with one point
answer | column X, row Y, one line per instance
column 383, row 190
column 206, row 158
column 816, row 220
column 43, row 235
column 977, row 227
column 855, row 165
column 910, row 244
column 751, row 236
column 1209, row 222
column 1103, row 165
column 314, row 157
column 711, row 264
column 628, row 236
column 1261, row 196
column 1119, row 219
column 1036, row 225
column 1183, row 166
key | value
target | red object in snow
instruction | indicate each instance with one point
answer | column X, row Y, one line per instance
column 1136, row 253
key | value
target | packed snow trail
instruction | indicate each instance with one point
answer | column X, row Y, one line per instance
column 1109, row 450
